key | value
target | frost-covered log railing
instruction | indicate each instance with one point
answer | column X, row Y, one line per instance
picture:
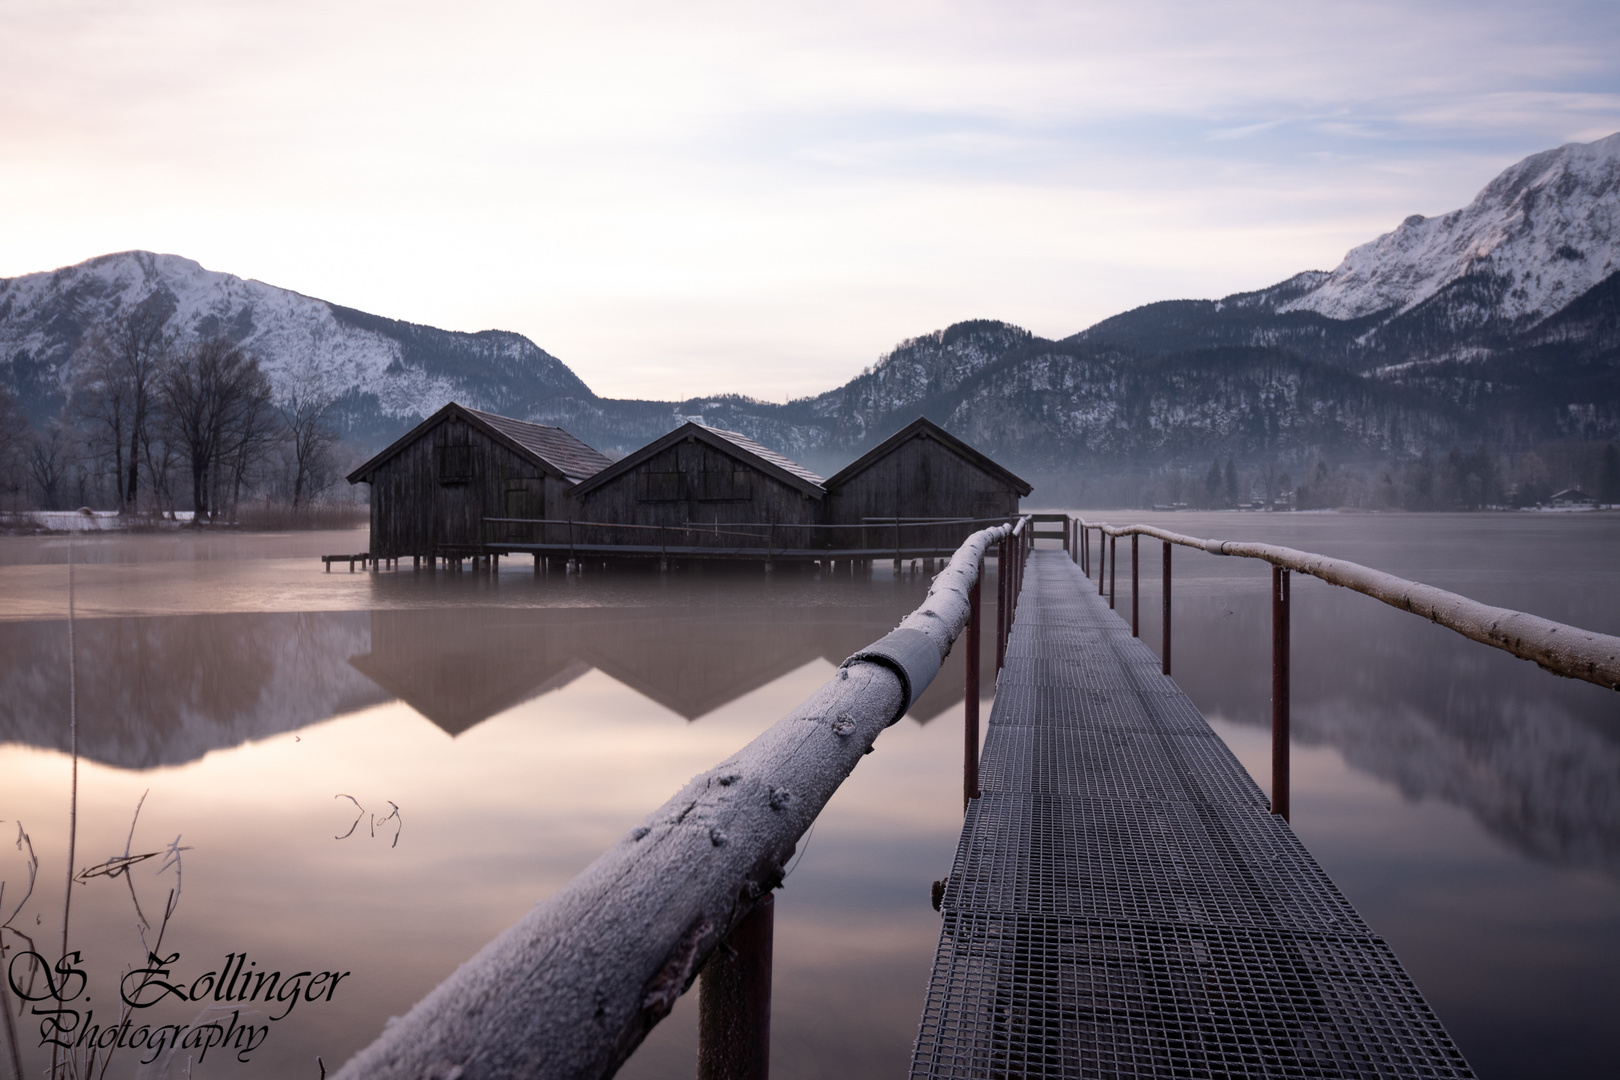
column 1556, row 647
column 574, row 986
column 900, row 538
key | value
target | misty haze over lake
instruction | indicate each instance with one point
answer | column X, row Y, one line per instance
column 1466, row 802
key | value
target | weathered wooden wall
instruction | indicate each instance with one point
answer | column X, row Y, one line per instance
column 920, row 478
column 438, row 490
column 692, row 481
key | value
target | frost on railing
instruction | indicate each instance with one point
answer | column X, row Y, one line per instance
column 574, row 986
column 1557, row 647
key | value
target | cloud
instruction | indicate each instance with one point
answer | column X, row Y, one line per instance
column 649, row 189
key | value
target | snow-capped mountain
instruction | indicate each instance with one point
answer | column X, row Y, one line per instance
column 1498, row 322
column 1491, row 279
column 1546, row 228
column 388, row 371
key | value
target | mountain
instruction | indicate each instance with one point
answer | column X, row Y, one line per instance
column 389, row 371
column 1540, row 235
column 1512, row 301
column 1498, row 322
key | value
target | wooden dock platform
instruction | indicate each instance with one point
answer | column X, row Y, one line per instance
column 1122, row 902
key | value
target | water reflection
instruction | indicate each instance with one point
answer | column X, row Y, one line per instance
column 1484, row 849
column 1533, row 758
column 167, row 690
column 163, row 691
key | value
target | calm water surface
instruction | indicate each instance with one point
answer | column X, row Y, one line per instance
column 1467, row 803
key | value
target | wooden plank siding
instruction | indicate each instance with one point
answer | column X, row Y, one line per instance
column 921, row 472
column 437, row 491
column 694, row 477
column 433, row 489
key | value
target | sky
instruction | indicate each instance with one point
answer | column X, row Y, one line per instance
column 762, row 198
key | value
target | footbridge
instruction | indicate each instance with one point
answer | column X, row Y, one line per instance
column 1125, row 900
column 1125, row 904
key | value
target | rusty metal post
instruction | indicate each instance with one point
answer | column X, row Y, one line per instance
column 1136, row 591
column 1113, row 568
column 1018, row 575
column 1015, row 572
column 970, row 707
column 1166, row 650
column 1102, row 560
column 1002, row 572
column 1279, row 692
column 734, row 1001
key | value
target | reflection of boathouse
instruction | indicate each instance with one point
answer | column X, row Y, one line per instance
column 465, row 483
column 459, row 666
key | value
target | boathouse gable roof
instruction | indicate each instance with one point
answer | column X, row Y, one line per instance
column 924, row 428
column 732, row 443
column 550, row 448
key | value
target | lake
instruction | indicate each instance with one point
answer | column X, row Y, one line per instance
column 275, row 716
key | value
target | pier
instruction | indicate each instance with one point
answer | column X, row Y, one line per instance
column 1123, row 900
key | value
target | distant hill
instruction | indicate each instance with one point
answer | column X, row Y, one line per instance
column 391, row 371
column 1507, row 310
column 1499, row 322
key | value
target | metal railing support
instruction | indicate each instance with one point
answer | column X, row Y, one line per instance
column 970, row 707
column 1113, row 568
column 1017, row 580
column 1165, row 651
column 1136, row 591
column 1102, row 562
column 734, row 1000
column 1279, row 692
column 1003, row 575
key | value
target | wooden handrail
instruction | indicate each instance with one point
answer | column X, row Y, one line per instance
column 882, row 523
column 1556, row 647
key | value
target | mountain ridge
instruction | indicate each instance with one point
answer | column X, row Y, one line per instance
column 1498, row 322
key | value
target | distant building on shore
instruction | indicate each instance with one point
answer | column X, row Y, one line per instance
column 1571, row 499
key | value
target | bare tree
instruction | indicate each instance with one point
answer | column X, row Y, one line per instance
column 208, row 395
column 51, row 456
column 306, row 410
column 101, row 399
column 13, row 432
column 122, row 363
column 258, row 430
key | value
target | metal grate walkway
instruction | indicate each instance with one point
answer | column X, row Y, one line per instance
column 1124, row 905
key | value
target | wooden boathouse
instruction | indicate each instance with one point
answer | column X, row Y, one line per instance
column 920, row 474
column 434, row 488
column 470, row 484
column 695, row 476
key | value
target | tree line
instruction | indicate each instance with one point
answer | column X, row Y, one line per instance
column 1473, row 479
column 1477, row 479
column 154, row 424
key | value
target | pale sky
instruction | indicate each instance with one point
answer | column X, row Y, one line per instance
column 692, row 198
